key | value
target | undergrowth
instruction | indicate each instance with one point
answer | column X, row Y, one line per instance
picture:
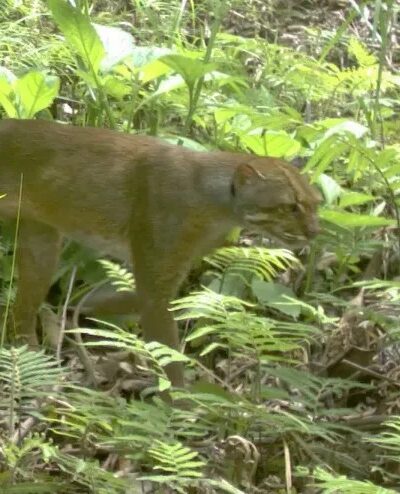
column 292, row 360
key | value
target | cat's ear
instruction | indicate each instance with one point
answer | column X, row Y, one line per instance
column 251, row 185
column 246, row 174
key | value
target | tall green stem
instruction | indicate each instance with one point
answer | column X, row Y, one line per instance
column 385, row 15
column 13, row 264
column 196, row 91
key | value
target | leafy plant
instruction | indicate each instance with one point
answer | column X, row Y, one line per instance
column 259, row 334
column 179, row 466
column 120, row 277
column 25, row 376
column 26, row 96
column 331, row 484
column 156, row 355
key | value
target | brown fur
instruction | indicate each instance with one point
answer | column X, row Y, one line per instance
column 137, row 198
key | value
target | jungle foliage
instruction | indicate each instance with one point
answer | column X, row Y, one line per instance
column 293, row 359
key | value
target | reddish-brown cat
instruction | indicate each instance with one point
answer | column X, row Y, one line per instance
column 138, row 198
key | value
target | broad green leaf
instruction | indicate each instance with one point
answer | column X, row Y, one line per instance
column 388, row 160
column 354, row 199
column 272, row 143
column 216, row 390
column 281, row 144
column 330, row 188
column 274, row 295
column 359, row 159
column 117, row 43
column 277, row 120
column 144, row 55
column 145, row 61
column 327, row 151
column 35, row 92
column 191, row 69
column 307, row 133
column 224, row 114
column 79, row 33
column 163, row 384
column 211, row 347
column 169, row 84
column 234, row 283
column 240, row 124
column 88, row 77
column 116, row 87
column 390, row 153
column 346, row 126
column 393, row 171
column 199, row 333
column 153, row 70
column 6, row 96
column 354, row 220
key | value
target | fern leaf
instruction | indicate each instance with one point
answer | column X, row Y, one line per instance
column 260, row 262
column 120, row 277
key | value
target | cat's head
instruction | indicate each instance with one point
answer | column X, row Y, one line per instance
column 273, row 198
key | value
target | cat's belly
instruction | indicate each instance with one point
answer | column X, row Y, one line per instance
column 76, row 225
column 114, row 247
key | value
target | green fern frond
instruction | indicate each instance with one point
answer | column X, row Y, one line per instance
column 120, row 277
column 24, row 376
column 361, row 54
column 260, row 262
column 180, row 466
column 389, row 439
column 115, row 423
column 245, row 333
column 329, row 483
column 176, row 459
column 157, row 355
column 312, row 389
column 89, row 476
column 208, row 304
column 31, row 487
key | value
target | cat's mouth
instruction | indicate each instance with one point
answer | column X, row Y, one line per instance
column 283, row 239
column 271, row 240
column 288, row 240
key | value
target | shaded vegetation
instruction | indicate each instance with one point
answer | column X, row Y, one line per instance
column 292, row 361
